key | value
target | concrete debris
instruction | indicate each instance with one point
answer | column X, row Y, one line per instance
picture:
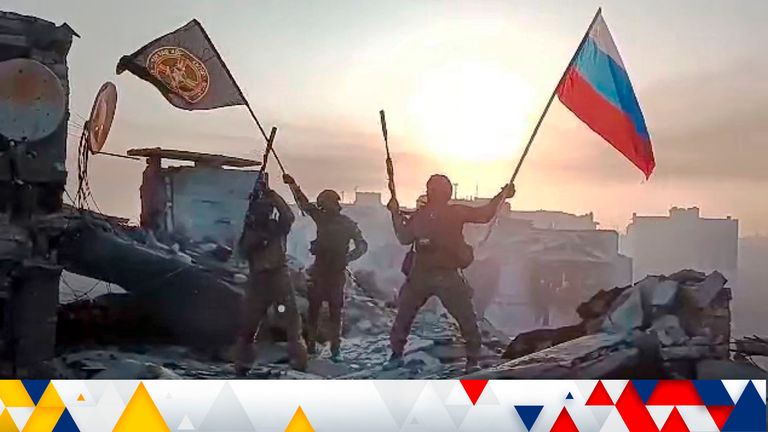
column 628, row 315
column 673, row 327
column 668, row 330
column 664, row 293
column 706, row 290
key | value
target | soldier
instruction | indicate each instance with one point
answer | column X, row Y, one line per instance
column 435, row 233
column 263, row 242
column 327, row 275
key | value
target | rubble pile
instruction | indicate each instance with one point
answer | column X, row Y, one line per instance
column 676, row 327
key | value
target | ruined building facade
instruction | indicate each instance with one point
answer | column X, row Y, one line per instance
column 32, row 179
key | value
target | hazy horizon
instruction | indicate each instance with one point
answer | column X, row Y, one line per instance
column 462, row 84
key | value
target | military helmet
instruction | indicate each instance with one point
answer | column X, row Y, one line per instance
column 328, row 199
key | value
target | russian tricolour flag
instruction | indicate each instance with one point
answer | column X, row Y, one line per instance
column 597, row 89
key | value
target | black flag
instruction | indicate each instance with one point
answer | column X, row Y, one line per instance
column 186, row 68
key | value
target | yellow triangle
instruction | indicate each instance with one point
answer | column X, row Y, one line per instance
column 43, row 419
column 299, row 422
column 50, row 398
column 13, row 394
column 6, row 422
column 141, row 414
column 80, row 398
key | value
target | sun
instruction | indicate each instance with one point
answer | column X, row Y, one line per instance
column 471, row 111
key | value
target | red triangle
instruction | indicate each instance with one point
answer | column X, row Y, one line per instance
column 599, row 396
column 634, row 413
column 676, row 393
column 564, row 423
column 675, row 423
column 720, row 414
column 474, row 388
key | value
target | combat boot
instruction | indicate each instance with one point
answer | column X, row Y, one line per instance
column 395, row 361
column 471, row 366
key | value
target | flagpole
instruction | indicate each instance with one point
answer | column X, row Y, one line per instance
column 240, row 92
column 538, row 124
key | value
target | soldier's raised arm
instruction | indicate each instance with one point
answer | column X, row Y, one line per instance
column 485, row 213
column 301, row 199
column 403, row 232
column 285, row 216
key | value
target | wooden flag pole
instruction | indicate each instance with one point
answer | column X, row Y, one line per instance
column 240, row 92
column 538, row 125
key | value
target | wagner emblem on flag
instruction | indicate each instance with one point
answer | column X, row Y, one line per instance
column 186, row 68
column 181, row 71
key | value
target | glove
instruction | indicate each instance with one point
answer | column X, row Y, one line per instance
column 393, row 205
column 287, row 179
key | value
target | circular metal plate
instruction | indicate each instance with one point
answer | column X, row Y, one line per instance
column 32, row 100
column 102, row 114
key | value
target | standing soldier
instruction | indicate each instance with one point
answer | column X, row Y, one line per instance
column 435, row 233
column 332, row 254
column 263, row 242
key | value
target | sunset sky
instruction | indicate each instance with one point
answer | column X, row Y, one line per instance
column 462, row 82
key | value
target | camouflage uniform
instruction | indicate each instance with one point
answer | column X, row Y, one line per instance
column 269, row 282
column 327, row 276
column 440, row 251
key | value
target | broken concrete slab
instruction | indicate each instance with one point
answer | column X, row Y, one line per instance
column 688, row 275
column 628, row 315
column 537, row 340
column 705, row 291
column 668, row 330
column 664, row 294
column 420, row 360
column 600, row 303
column 326, row 368
column 418, row 344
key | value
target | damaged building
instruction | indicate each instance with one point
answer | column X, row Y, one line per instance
column 32, row 178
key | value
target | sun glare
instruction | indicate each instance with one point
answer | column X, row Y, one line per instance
column 471, row 112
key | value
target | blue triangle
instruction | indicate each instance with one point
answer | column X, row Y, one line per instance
column 66, row 423
column 528, row 414
column 713, row 392
column 749, row 413
column 35, row 388
column 644, row 388
column 570, row 396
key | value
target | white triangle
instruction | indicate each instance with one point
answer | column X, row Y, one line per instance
column 458, row 396
column 20, row 416
column 399, row 397
column 614, row 423
column 185, row 424
column 443, row 388
column 735, row 388
column 600, row 414
column 660, row 414
column 586, row 387
column 488, row 397
column 697, row 418
column 457, row 413
column 227, row 413
column 125, row 388
column 96, row 388
column 2, row 405
column 615, row 388
column 760, row 386
column 110, row 406
column 70, row 391
column 429, row 413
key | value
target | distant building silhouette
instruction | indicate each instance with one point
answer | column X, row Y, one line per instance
column 683, row 239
